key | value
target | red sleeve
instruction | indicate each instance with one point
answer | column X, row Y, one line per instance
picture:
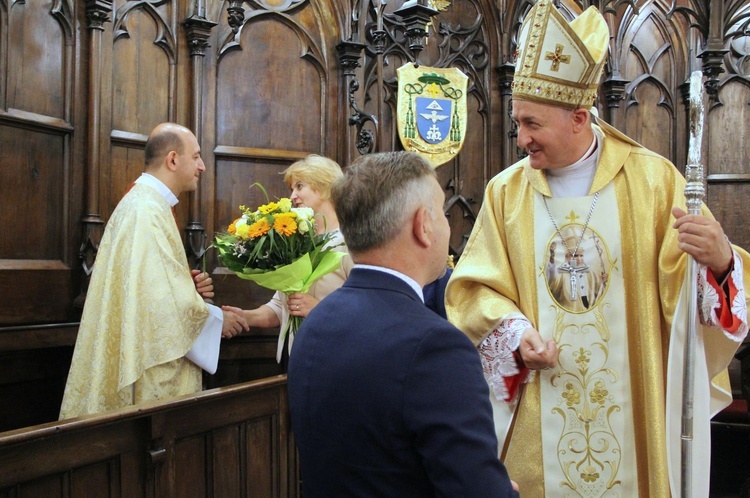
column 727, row 293
column 514, row 383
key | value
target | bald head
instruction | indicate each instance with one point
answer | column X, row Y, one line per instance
column 165, row 138
column 173, row 156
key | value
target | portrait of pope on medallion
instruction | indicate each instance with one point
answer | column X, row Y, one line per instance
column 578, row 268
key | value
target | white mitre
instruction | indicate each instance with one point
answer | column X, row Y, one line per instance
column 558, row 63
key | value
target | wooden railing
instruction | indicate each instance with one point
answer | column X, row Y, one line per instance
column 226, row 442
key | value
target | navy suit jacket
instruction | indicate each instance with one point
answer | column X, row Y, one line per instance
column 388, row 399
column 434, row 293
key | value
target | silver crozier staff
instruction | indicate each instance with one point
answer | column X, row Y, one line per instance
column 694, row 194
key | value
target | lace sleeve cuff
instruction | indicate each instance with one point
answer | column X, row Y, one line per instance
column 498, row 360
column 723, row 305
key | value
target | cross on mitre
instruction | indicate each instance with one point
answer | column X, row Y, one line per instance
column 557, row 57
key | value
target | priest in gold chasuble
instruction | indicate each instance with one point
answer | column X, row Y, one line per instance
column 572, row 282
column 146, row 332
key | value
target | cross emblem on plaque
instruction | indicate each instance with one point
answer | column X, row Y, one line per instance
column 557, row 57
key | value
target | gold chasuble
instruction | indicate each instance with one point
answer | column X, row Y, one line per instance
column 597, row 424
column 142, row 313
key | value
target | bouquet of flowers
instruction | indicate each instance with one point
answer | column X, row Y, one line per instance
column 277, row 247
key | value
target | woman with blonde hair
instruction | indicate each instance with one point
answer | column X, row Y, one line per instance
column 310, row 181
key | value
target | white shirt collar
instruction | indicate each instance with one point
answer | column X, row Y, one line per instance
column 410, row 281
column 158, row 185
column 575, row 180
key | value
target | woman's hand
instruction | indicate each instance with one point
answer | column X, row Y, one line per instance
column 301, row 304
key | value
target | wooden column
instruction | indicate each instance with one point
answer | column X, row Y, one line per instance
column 713, row 54
column 97, row 13
column 198, row 31
column 614, row 89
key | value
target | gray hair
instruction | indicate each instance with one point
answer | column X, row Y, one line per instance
column 378, row 194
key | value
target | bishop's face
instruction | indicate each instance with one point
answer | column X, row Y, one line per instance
column 547, row 134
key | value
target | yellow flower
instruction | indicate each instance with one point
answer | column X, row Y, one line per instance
column 259, row 228
column 242, row 231
column 285, row 204
column 284, row 225
column 268, row 208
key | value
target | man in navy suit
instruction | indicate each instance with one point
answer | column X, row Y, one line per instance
column 387, row 398
column 434, row 293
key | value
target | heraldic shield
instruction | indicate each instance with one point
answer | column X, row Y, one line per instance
column 431, row 115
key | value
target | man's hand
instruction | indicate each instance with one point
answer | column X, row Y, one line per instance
column 535, row 353
column 234, row 322
column 703, row 239
column 203, row 283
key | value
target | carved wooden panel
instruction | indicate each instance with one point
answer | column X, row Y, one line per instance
column 728, row 160
column 649, row 60
column 36, row 60
column 37, row 57
column 650, row 119
column 728, row 203
column 231, row 442
column 728, row 146
column 143, row 51
column 33, row 177
column 271, row 91
column 281, row 101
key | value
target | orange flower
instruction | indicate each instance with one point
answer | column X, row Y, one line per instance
column 260, row 227
column 284, row 225
column 233, row 227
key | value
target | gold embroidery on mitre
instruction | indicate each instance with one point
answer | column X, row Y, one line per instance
column 577, row 52
column 557, row 57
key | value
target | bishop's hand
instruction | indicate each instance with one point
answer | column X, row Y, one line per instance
column 703, row 239
column 535, row 353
